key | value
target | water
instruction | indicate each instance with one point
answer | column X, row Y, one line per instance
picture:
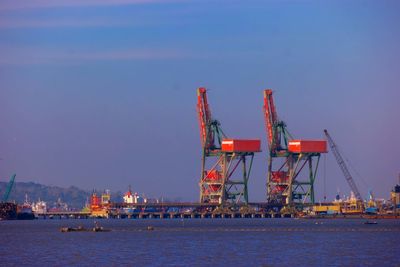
column 202, row 242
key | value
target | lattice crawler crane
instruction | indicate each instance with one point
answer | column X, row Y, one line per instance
column 222, row 180
column 343, row 166
column 292, row 164
column 9, row 188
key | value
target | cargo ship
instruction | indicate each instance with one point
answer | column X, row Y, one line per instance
column 24, row 211
column 352, row 205
column 8, row 211
column 39, row 207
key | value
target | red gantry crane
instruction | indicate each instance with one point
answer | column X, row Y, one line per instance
column 289, row 181
column 220, row 180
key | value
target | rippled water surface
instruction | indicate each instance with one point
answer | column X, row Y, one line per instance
column 202, row 242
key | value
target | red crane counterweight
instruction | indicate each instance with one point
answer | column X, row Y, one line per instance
column 307, row 146
column 241, row 145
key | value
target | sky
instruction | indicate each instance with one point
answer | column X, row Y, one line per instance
column 102, row 94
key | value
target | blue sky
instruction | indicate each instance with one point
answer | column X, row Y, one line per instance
column 102, row 95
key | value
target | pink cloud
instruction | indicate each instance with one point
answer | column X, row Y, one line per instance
column 38, row 56
column 128, row 55
column 77, row 22
column 23, row 4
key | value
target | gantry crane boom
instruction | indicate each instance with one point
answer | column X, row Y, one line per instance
column 8, row 189
column 343, row 166
column 204, row 114
column 278, row 136
column 270, row 116
column 211, row 133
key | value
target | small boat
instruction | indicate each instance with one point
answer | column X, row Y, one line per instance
column 370, row 222
column 73, row 229
column 100, row 229
column 82, row 229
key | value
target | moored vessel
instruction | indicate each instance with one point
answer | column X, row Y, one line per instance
column 8, row 211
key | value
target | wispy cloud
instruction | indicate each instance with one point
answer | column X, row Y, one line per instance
column 11, row 23
column 42, row 56
column 126, row 55
column 28, row 4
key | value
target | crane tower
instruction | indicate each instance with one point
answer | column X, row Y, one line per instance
column 221, row 180
column 292, row 164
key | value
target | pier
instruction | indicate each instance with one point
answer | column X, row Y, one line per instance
column 63, row 215
column 181, row 210
column 190, row 210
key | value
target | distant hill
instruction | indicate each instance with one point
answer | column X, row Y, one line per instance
column 73, row 196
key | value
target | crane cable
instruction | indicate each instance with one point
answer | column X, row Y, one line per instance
column 324, row 177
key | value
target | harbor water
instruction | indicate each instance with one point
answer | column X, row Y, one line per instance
column 201, row 242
